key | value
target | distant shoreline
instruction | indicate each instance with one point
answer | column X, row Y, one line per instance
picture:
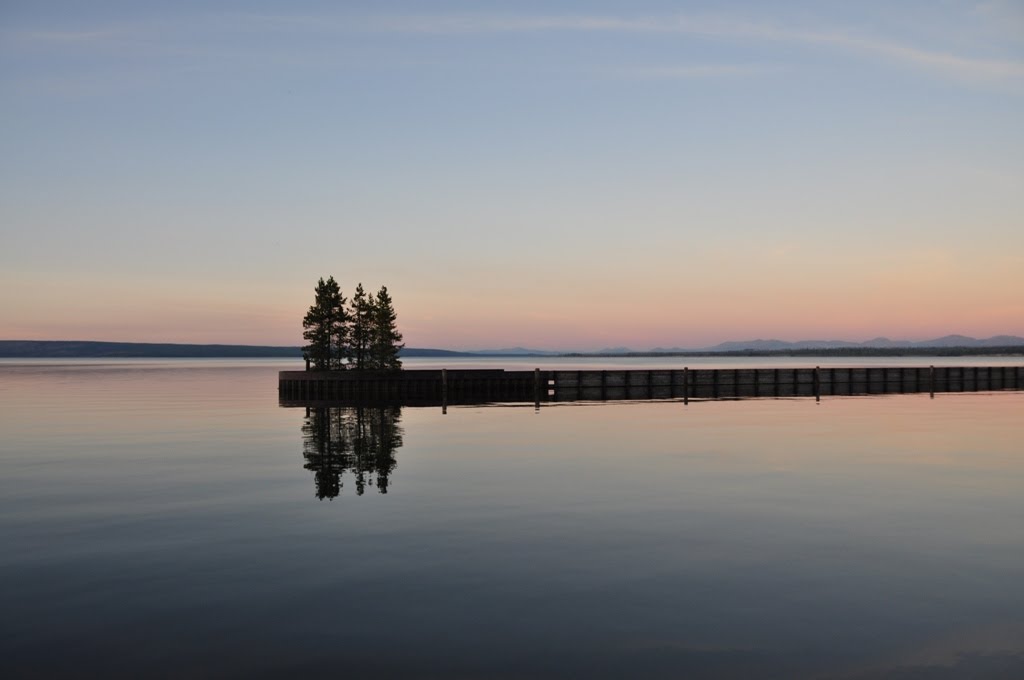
column 1015, row 350
column 94, row 349
column 87, row 349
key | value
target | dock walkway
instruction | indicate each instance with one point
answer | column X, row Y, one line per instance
column 482, row 385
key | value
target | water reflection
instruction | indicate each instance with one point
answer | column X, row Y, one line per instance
column 862, row 538
column 359, row 441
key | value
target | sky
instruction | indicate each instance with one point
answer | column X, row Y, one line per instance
column 559, row 175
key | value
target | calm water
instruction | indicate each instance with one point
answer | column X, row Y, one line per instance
column 169, row 519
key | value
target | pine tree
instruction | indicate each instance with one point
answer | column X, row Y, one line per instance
column 325, row 326
column 360, row 336
column 342, row 329
column 385, row 340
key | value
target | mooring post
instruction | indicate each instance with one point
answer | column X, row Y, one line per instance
column 444, row 391
column 536, row 389
column 817, row 383
column 931, row 381
column 686, row 385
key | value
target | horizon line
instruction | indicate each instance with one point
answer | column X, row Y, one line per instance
column 608, row 348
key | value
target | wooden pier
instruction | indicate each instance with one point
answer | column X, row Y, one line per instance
column 465, row 386
column 415, row 386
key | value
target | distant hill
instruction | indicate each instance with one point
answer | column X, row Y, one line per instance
column 876, row 343
column 949, row 345
column 512, row 351
column 83, row 349
column 71, row 349
column 426, row 352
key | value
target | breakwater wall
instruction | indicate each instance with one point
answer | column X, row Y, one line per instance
column 482, row 385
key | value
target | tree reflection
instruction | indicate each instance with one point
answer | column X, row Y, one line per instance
column 356, row 440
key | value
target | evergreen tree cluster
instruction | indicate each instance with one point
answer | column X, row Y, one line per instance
column 361, row 335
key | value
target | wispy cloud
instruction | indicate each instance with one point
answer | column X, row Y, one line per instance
column 970, row 67
column 948, row 63
column 945, row 62
column 695, row 71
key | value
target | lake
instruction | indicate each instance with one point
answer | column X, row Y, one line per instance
column 168, row 518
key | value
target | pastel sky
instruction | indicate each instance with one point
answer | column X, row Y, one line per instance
column 565, row 175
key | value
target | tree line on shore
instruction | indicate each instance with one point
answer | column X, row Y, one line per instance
column 358, row 335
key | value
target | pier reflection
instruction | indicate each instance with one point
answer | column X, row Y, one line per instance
column 356, row 442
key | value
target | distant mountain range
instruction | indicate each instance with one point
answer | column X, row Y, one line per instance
column 69, row 349
column 882, row 343
column 512, row 351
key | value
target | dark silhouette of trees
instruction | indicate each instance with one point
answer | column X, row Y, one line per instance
column 326, row 451
column 355, row 440
column 385, row 339
column 360, row 336
column 361, row 328
column 325, row 326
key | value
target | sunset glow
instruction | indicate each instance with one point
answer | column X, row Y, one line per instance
column 573, row 179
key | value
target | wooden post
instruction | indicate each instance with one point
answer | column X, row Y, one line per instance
column 686, row 385
column 307, row 363
column 444, row 390
column 817, row 383
column 536, row 389
column 931, row 381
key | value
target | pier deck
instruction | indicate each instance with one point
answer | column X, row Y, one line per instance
column 483, row 385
